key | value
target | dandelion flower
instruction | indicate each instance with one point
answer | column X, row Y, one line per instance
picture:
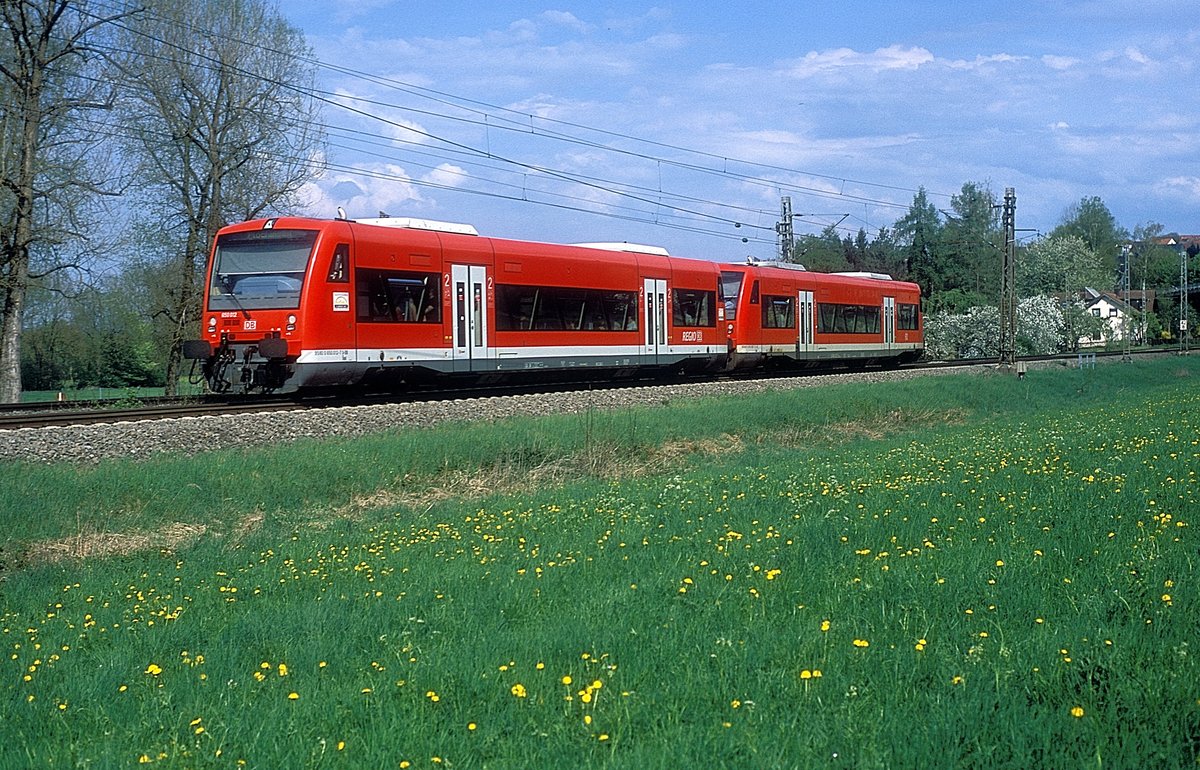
column 153, row 669
column 567, row 679
column 293, row 696
column 1077, row 711
column 518, row 690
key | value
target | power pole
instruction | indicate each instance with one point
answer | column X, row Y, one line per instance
column 787, row 241
column 1008, row 284
column 1183, row 302
column 1123, row 263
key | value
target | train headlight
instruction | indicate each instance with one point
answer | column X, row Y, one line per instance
column 212, row 323
column 291, row 322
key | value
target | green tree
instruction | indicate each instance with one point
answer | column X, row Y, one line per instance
column 1092, row 222
column 223, row 128
column 1060, row 265
column 824, row 253
column 973, row 241
column 918, row 239
column 49, row 155
column 1063, row 266
column 885, row 256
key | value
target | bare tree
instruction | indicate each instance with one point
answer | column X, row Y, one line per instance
column 48, row 168
column 223, row 128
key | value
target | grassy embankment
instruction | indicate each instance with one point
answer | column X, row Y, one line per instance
column 975, row 571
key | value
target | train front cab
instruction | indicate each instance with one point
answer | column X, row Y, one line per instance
column 262, row 283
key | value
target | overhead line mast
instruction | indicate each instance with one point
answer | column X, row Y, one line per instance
column 787, row 242
column 1008, row 284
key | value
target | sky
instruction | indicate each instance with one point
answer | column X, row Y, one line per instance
column 683, row 125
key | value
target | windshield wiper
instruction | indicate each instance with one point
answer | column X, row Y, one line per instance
column 227, row 288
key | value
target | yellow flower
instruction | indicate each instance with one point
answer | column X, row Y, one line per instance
column 567, row 679
column 471, row 726
column 283, row 669
column 861, row 643
column 518, row 690
column 824, row 626
column 341, row 745
column 1077, row 712
column 806, row 674
column 293, row 696
column 153, row 669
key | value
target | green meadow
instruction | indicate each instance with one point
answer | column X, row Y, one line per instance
column 953, row 571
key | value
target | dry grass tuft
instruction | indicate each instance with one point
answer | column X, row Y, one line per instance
column 92, row 544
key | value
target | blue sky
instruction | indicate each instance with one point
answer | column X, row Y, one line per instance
column 682, row 124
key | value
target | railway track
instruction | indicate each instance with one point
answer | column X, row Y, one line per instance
column 45, row 415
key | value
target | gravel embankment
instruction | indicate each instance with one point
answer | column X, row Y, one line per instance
column 190, row 435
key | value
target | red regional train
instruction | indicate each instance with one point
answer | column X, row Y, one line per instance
column 295, row 303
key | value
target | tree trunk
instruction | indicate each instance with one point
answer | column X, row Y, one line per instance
column 10, row 340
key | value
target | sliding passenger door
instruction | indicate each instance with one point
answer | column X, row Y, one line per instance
column 889, row 323
column 805, row 318
column 654, row 337
column 469, row 289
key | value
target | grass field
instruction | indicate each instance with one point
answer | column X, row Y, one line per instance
column 955, row 571
column 106, row 394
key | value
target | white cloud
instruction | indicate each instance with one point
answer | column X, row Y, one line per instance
column 363, row 190
column 565, row 19
column 1059, row 62
column 1137, row 56
column 893, row 57
column 447, row 175
column 1187, row 187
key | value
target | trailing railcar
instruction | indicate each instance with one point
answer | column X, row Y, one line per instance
column 297, row 303
column 780, row 315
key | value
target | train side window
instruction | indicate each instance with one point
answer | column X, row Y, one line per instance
column 692, row 307
column 778, row 312
column 847, row 319
column 826, row 316
column 754, row 293
column 339, row 264
column 731, row 287
column 552, row 308
column 907, row 317
column 392, row 296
